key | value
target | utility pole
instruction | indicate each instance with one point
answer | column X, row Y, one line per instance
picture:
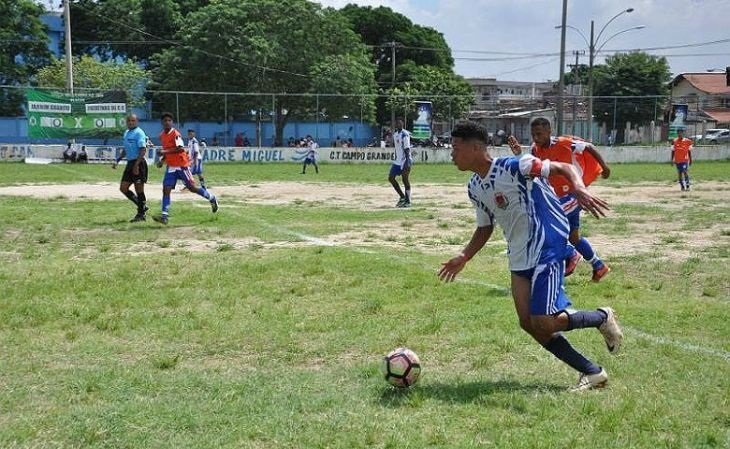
column 591, row 58
column 69, row 56
column 561, row 82
column 392, row 83
column 576, row 77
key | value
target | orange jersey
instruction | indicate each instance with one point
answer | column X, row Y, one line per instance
column 170, row 141
column 570, row 151
column 681, row 148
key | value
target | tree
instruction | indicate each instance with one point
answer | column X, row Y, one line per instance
column 24, row 49
column 633, row 74
column 130, row 29
column 92, row 74
column 280, row 46
column 416, row 46
column 450, row 94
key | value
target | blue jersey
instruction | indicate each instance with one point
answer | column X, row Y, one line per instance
column 515, row 195
column 134, row 139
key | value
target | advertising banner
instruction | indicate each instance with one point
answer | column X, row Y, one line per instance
column 60, row 115
column 678, row 120
column 422, row 124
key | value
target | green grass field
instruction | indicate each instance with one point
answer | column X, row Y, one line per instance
column 264, row 326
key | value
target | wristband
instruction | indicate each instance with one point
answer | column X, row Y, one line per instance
column 467, row 259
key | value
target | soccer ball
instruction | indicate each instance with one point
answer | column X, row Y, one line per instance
column 401, row 367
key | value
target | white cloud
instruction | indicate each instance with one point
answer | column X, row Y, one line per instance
column 527, row 26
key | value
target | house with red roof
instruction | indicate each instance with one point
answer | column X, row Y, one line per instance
column 707, row 95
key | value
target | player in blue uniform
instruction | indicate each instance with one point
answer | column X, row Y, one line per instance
column 402, row 164
column 513, row 192
column 135, row 172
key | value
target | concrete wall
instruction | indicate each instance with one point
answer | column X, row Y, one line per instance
column 612, row 155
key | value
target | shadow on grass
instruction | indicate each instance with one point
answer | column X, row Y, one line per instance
column 461, row 392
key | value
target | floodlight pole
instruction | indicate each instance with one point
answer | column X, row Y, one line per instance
column 561, row 81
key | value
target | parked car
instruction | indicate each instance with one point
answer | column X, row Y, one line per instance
column 716, row 135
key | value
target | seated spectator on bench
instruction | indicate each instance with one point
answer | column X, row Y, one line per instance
column 69, row 154
column 82, row 156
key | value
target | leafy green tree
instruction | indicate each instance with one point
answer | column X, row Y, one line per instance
column 631, row 74
column 280, row 46
column 92, row 74
column 415, row 46
column 450, row 94
column 132, row 29
column 23, row 50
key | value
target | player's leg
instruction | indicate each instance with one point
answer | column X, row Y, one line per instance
column 406, row 174
column 187, row 178
column 316, row 167
column 139, row 182
column 168, row 184
column 395, row 170
column 685, row 173
column 581, row 244
column 680, row 178
column 539, row 293
column 304, row 167
column 124, row 188
column 199, row 170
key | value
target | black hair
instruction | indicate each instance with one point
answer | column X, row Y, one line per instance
column 540, row 121
column 470, row 131
column 167, row 114
column 191, row 130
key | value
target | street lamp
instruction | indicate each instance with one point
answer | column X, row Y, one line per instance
column 592, row 51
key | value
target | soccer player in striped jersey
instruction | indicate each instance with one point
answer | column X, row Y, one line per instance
column 590, row 164
column 196, row 157
column 682, row 158
column 402, row 164
column 513, row 192
column 311, row 157
column 175, row 157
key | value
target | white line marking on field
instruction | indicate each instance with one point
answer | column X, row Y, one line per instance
column 677, row 344
column 657, row 340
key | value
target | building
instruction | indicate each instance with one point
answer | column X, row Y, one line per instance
column 491, row 94
column 707, row 96
column 56, row 33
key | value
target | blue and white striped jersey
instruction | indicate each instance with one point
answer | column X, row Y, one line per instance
column 515, row 195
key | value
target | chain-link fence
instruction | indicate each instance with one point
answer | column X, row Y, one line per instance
column 282, row 119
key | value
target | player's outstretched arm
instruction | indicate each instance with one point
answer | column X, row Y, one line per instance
column 596, row 206
column 453, row 266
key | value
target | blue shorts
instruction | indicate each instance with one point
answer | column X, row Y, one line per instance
column 547, row 295
column 196, row 167
column 309, row 161
column 682, row 167
column 182, row 174
column 397, row 170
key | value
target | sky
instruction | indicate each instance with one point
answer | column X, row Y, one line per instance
column 526, row 27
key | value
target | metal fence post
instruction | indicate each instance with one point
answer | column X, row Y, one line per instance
column 316, row 119
column 273, row 120
column 177, row 107
column 615, row 104
column 225, row 118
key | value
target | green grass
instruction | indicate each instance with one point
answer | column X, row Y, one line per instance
column 228, row 174
column 236, row 330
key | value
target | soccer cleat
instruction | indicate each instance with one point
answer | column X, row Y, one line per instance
column 137, row 218
column 406, row 204
column 611, row 331
column 214, row 204
column 591, row 381
column 400, row 202
column 571, row 263
column 160, row 219
column 600, row 273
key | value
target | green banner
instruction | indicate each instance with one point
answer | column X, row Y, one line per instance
column 87, row 115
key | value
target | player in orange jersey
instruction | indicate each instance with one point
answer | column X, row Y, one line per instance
column 590, row 164
column 682, row 157
column 175, row 156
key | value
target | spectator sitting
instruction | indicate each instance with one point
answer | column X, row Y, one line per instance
column 69, row 154
column 246, row 142
column 239, row 140
column 214, row 142
column 292, row 142
column 82, row 156
column 350, row 143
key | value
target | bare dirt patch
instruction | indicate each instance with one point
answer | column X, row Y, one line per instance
column 448, row 203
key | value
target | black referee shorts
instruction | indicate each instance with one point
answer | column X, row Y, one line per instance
column 140, row 178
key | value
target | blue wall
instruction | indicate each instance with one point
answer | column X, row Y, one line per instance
column 54, row 22
column 15, row 130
